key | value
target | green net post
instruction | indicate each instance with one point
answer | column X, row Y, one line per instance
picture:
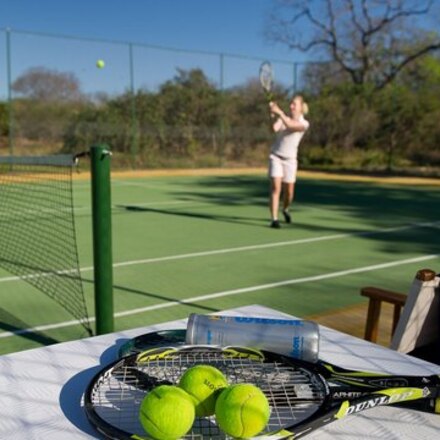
column 102, row 238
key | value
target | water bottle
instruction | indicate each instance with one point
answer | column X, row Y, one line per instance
column 291, row 337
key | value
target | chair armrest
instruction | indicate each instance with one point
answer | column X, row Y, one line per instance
column 389, row 296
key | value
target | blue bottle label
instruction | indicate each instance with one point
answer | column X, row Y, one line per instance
column 266, row 321
column 297, row 347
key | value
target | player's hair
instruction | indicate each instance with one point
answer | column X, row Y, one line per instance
column 305, row 106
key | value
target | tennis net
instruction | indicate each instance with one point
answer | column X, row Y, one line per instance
column 37, row 228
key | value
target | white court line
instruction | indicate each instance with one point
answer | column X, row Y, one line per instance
column 273, row 245
column 210, row 296
column 242, row 249
column 163, row 202
column 115, row 183
column 121, row 183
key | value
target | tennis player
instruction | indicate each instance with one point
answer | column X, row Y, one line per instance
column 283, row 162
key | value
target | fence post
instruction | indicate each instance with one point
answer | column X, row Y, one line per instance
column 9, row 85
column 134, row 128
column 221, row 141
column 295, row 77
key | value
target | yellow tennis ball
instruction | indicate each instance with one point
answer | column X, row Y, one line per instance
column 100, row 64
column 167, row 412
column 203, row 383
column 242, row 410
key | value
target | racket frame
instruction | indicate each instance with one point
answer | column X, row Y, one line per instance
column 369, row 390
column 266, row 76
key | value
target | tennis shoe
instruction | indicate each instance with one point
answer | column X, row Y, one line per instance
column 275, row 224
column 287, row 217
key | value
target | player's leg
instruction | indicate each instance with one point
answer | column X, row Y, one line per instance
column 290, row 168
column 288, row 194
column 276, row 176
column 275, row 193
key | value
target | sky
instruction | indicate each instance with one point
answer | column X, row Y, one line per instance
column 218, row 26
column 212, row 25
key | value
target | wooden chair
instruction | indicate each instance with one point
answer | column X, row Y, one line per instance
column 376, row 297
column 416, row 329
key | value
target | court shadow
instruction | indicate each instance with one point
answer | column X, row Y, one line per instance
column 161, row 297
column 249, row 221
column 372, row 205
column 357, row 198
column 11, row 323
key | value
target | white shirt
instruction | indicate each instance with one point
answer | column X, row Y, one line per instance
column 287, row 141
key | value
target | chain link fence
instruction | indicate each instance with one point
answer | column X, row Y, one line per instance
column 156, row 106
column 164, row 107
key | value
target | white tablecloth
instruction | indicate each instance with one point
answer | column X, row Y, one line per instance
column 41, row 389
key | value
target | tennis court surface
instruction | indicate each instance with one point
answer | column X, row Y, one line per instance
column 201, row 243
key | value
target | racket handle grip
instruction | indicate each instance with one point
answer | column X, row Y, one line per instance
column 425, row 405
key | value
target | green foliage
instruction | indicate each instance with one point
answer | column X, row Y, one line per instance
column 187, row 104
column 188, row 121
column 366, row 128
column 30, row 124
column 95, row 124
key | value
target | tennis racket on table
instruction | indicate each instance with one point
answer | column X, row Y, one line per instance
column 138, row 344
column 302, row 396
column 266, row 79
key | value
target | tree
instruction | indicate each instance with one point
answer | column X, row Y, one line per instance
column 189, row 107
column 4, row 126
column 370, row 40
column 39, row 83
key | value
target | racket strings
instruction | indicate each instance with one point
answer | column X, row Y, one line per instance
column 266, row 76
column 293, row 393
column 115, row 395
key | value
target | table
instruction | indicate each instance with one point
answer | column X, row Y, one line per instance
column 41, row 389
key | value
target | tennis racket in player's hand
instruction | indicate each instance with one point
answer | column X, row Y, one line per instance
column 266, row 79
column 302, row 396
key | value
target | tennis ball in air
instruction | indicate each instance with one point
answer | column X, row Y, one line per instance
column 242, row 410
column 167, row 412
column 203, row 383
column 100, row 64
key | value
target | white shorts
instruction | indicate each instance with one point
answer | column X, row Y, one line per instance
column 284, row 168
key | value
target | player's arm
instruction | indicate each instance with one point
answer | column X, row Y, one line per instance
column 278, row 125
column 289, row 123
